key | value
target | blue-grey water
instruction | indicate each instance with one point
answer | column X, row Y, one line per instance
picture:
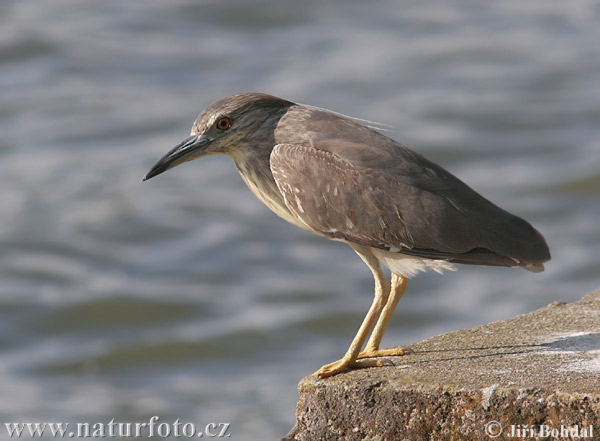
column 183, row 297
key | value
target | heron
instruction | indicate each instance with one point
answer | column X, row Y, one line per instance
column 334, row 176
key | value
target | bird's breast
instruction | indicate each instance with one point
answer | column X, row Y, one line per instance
column 259, row 179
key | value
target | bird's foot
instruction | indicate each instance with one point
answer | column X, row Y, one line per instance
column 373, row 352
column 346, row 364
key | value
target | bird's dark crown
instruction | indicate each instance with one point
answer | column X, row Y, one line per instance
column 240, row 107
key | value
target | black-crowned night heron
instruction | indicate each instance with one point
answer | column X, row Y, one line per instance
column 330, row 175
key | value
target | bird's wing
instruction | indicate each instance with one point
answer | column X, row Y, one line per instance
column 365, row 188
column 363, row 205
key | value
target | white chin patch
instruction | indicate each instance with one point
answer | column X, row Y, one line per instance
column 409, row 266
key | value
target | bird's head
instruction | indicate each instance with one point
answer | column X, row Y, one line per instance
column 234, row 126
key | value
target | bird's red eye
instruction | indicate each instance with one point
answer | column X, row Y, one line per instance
column 224, row 123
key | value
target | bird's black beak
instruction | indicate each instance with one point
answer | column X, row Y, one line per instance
column 188, row 149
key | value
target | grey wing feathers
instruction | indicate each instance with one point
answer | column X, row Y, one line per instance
column 386, row 196
column 360, row 205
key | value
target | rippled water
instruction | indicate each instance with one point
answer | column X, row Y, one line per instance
column 183, row 297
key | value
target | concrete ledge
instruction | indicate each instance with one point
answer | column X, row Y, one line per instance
column 540, row 369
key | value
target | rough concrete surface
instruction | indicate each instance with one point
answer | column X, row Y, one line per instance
column 521, row 378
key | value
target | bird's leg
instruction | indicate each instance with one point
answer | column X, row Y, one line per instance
column 382, row 290
column 372, row 348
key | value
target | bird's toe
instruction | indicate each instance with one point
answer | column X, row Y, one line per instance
column 344, row 364
column 389, row 352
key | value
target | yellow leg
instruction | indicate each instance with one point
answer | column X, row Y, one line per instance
column 382, row 290
column 372, row 348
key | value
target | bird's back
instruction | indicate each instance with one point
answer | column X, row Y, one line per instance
column 424, row 211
